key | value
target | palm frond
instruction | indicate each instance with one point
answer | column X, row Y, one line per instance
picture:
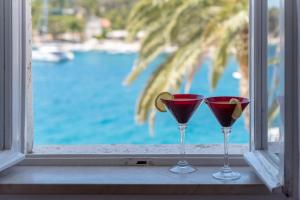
column 194, row 27
column 191, row 73
column 152, row 45
column 220, row 60
column 273, row 112
column 147, row 13
column 168, row 77
column 231, row 28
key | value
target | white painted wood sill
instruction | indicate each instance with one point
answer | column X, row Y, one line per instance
column 142, row 149
column 124, row 180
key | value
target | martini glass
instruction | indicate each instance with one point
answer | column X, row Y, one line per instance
column 182, row 107
column 227, row 110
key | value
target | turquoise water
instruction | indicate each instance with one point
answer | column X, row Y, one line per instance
column 84, row 102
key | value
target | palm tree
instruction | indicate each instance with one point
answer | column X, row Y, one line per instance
column 197, row 29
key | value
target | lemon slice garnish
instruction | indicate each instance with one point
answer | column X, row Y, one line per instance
column 160, row 106
column 238, row 108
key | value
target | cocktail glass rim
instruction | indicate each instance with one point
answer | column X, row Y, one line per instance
column 196, row 97
column 244, row 99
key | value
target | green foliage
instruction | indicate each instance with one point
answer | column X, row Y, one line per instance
column 117, row 17
column 91, row 7
column 196, row 28
column 117, row 12
column 36, row 10
column 273, row 22
column 103, row 35
column 103, row 8
column 114, row 10
column 59, row 24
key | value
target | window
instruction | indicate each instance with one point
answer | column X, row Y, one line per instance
column 275, row 73
column 11, row 84
column 275, row 172
column 272, row 150
column 77, row 72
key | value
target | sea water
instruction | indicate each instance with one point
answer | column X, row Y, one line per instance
column 83, row 101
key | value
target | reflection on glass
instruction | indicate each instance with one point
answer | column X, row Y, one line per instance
column 275, row 72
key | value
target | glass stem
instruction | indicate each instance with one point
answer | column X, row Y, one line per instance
column 226, row 131
column 182, row 128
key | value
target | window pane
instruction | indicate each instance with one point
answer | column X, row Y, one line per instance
column 275, row 73
column 86, row 87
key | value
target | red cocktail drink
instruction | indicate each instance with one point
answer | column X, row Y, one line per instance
column 227, row 110
column 224, row 110
column 182, row 107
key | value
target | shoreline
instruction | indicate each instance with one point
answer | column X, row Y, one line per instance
column 108, row 45
column 117, row 46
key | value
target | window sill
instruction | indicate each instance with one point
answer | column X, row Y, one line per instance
column 131, row 155
column 108, row 180
column 134, row 149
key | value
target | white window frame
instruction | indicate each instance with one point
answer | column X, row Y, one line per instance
column 290, row 163
column 12, row 103
column 279, row 174
column 258, row 156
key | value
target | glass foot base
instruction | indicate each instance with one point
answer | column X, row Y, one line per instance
column 227, row 176
column 182, row 167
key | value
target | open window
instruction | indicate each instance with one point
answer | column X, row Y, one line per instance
column 92, row 88
column 274, row 92
column 273, row 49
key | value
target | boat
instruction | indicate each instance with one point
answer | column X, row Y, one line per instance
column 51, row 54
column 236, row 75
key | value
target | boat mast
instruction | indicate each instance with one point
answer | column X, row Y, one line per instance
column 44, row 23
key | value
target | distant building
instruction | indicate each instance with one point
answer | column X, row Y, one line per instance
column 93, row 28
column 117, row 34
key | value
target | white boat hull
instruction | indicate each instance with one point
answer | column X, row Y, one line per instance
column 50, row 54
